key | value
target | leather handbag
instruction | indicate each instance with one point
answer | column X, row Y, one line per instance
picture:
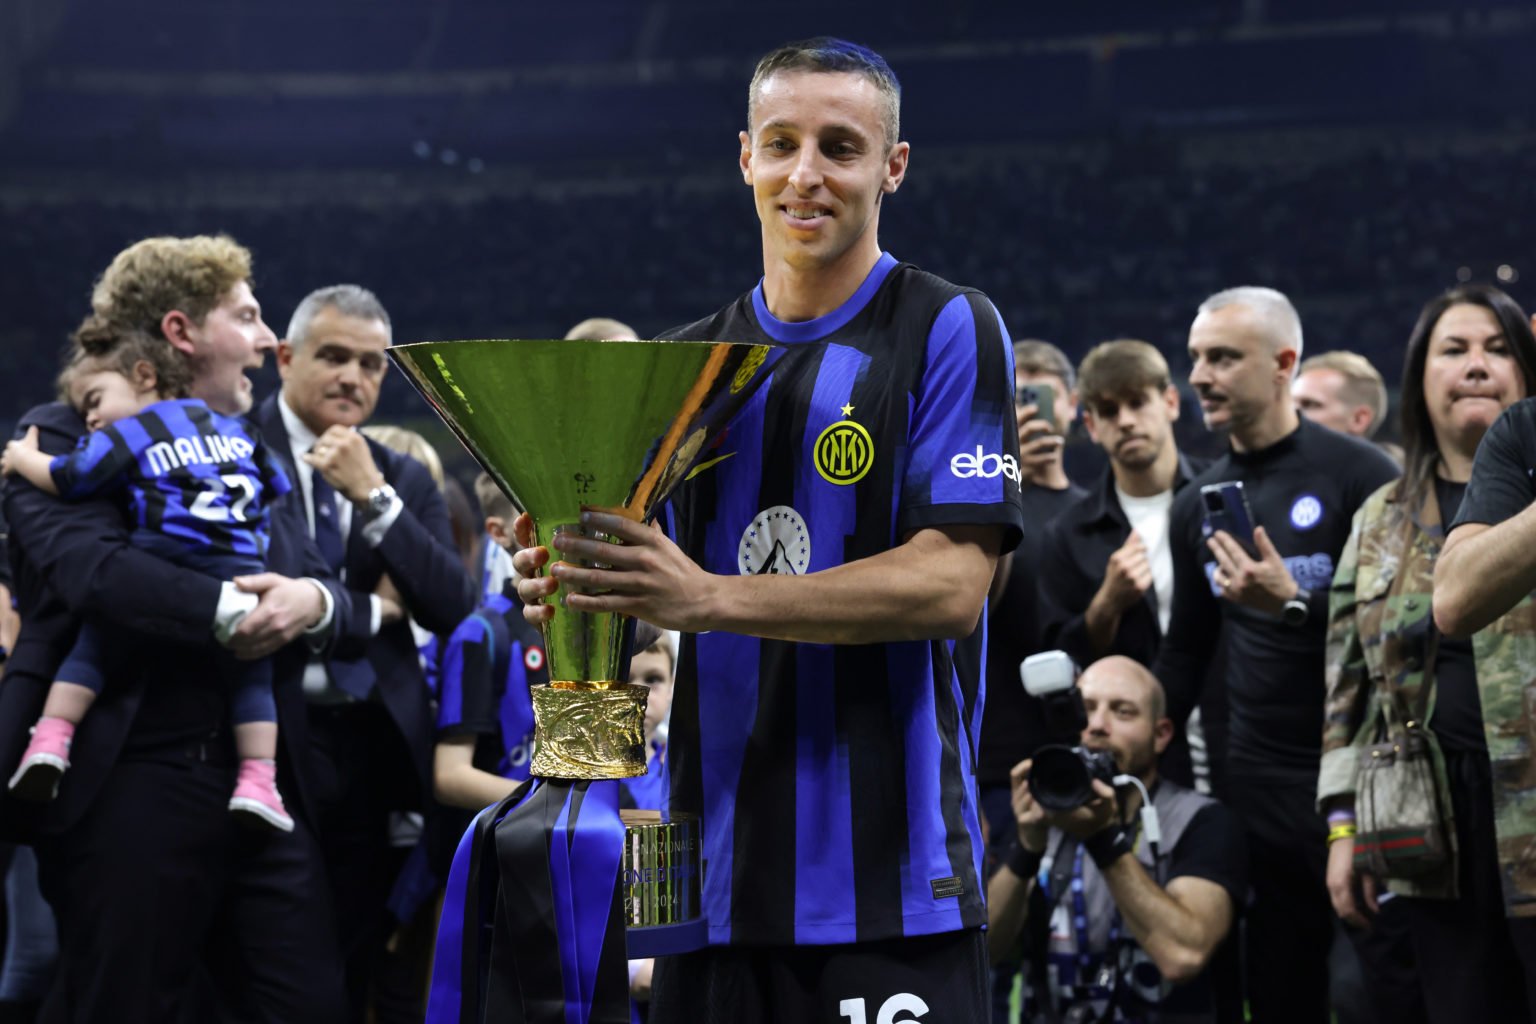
column 1402, row 811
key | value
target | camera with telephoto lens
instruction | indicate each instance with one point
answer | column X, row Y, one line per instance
column 1062, row 776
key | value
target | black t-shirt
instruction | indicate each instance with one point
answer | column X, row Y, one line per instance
column 1504, row 473
column 1012, row 727
column 1213, row 847
column 1457, row 719
column 1304, row 490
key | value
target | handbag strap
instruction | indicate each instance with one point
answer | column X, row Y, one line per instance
column 1427, row 689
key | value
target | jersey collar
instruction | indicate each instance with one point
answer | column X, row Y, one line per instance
column 815, row 330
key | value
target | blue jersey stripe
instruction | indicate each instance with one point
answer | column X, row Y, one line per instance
column 824, row 811
column 969, row 741
column 727, row 704
column 515, row 713
column 911, row 696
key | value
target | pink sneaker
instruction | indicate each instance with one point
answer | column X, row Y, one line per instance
column 256, row 800
column 45, row 760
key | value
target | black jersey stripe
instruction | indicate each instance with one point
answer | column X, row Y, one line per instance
column 763, row 883
column 155, row 496
column 953, row 780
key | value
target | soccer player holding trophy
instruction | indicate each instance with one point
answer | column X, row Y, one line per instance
column 827, row 562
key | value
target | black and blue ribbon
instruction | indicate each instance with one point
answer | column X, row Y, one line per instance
column 532, row 930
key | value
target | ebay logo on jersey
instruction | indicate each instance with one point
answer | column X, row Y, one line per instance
column 984, row 465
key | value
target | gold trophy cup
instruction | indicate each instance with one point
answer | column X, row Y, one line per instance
column 613, row 426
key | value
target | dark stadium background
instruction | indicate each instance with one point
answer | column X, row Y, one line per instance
column 505, row 169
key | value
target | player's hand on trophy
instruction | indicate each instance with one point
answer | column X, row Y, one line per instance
column 532, row 588
column 640, row 573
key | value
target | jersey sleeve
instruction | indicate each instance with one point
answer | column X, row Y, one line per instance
column 963, row 445
column 100, row 462
column 274, row 482
column 1212, row 847
column 467, row 706
column 1501, row 486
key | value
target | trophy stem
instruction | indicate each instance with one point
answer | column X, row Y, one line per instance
column 584, row 648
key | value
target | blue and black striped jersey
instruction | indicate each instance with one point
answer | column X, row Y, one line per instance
column 837, row 783
column 203, row 480
column 491, row 660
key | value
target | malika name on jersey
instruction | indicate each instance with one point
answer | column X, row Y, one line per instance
column 197, row 450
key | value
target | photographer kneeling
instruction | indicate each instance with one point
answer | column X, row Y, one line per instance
column 1119, row 910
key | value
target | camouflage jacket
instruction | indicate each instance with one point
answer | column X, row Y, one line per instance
column 1506, row 681
column 1380, row 629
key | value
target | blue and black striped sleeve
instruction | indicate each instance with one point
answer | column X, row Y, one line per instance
column 100, row 462
column 468, row 696
column 274, row 482
column 963, row 464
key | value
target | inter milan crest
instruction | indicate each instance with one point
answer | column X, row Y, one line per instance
column 776, row 543
column 844, row 451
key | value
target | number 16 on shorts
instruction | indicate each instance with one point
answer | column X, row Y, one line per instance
column 901, row 1002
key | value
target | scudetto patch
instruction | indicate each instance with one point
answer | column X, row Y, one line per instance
column 776, row 543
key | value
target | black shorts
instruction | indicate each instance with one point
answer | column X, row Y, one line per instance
column 929, row 979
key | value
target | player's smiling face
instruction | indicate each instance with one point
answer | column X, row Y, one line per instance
column 818, row 162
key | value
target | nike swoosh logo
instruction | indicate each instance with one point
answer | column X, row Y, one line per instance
column 701, row 467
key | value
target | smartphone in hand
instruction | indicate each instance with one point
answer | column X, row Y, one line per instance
column 1043, row 398
column 1226, row 508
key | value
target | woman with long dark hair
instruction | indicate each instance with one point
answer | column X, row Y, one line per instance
column 1470, row 356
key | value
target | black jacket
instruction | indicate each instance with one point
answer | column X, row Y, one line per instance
column 1078, row 543
column 419, row 556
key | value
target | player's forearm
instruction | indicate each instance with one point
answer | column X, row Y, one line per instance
column 1176, row 939
column 929, row 588
column 1481, row 574
column 1007, row 912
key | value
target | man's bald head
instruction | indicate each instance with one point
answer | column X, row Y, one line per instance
column 1122, row 672
column 1267, row 313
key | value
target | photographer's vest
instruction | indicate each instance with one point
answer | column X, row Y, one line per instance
column 1077, row 970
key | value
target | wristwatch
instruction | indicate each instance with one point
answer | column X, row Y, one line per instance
column 1296, row 609
column 379, row 501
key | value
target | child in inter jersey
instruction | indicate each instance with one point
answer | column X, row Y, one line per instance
column 485, row 713
column 199, row 486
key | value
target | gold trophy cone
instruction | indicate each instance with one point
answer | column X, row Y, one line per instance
column 569, row 426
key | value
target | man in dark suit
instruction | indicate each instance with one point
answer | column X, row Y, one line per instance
column 380, row 520
column 152, row 882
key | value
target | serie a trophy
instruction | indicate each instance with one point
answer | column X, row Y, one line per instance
column 554, row 889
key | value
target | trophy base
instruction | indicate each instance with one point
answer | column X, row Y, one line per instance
column 661, row 882
column 589, row 733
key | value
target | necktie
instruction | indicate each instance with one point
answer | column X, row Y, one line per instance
column 327, row 528
column 352, row 677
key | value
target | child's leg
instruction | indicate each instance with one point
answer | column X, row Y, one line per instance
column 254, row 714
column 256, row 740
column 46, row 758
column 69, row 701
